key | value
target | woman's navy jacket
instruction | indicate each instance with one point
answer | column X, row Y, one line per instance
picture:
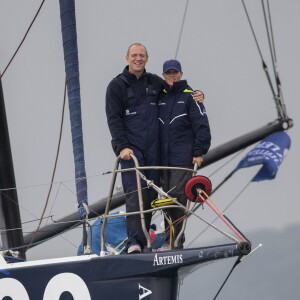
column 184, row 126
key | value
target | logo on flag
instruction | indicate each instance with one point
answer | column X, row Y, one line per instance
column 269, row 153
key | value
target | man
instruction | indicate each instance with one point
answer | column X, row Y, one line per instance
column 185, row 138
column 132, row 117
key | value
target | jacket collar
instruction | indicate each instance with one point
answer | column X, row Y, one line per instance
column 177, row 87
column 131, row 77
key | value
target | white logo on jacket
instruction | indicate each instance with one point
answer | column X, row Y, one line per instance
column 128, row 113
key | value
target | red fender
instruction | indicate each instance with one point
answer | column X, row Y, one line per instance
column 194, row 183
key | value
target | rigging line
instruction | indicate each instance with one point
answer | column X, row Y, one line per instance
column 268, row 24
column 68, row 189
column 37, row 219
column 156, row 188
column 227, row 162
column 55, row 164
column 277, row 79
column 230, row 272
column 181, row 219
column 51, row 209
column 4, row 229
column 37, row 13
column 43, row 184
column 4, row 195
column 42, row 230
column 224, row 180
column 263, row 62
column 218, row 186
column 190, row 211
column 246, row 239
column 54, row 182
column 181, row 29
column 94, row 212
column 226, row 221
column 49, row 238
column 270, row 38
column 43, row 241
column 271, row 30
column 248, row 17
column 210, row 224
column 33, row 186
column 215, row 219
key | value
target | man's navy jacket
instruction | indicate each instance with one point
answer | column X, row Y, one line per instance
column 132, row 112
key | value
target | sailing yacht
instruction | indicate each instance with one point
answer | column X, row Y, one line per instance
column 150, row 275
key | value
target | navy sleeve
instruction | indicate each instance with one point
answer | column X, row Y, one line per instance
column 201, row 128
column 114, row 114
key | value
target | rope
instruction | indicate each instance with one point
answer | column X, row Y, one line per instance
column 279, row 102
column 214, row 220
column 37, row 13
column 268, row 22
column 270, row 38
column 181, row 29
column 227, row 162
column 230, row 272
column 54, row 169
column 257, row 45
column 221, row 215
column 189, row 211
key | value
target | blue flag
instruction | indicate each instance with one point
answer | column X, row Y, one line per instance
column 269, row 153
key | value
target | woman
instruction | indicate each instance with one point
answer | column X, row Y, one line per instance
column 185, row 138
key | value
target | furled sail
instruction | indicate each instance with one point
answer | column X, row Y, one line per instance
column 69, row 35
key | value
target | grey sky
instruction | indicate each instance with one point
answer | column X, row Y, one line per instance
column 218, row 55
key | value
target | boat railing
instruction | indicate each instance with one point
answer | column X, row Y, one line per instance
column 139, row 177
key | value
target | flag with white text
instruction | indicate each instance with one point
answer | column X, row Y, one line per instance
column 269, row 153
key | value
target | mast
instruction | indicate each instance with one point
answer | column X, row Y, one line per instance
column 10, row 219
